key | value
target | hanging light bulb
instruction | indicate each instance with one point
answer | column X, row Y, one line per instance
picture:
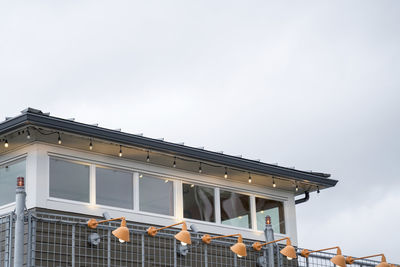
column 6, row 143
column 90, row 145
column 249, row 178
column 28, row 136
column 192, row 185
column 148, row 157
column 59, row 139
column 120, row 151
column 273, row 182
column 200, row 170
column 226, row 173
column 297, row 188
column 174, row 164
column 140, row 175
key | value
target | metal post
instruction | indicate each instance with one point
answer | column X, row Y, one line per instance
column 73, row 246
column 205, row 256
column 269, row 236
column 19, row 223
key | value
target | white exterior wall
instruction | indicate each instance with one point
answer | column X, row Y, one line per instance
column 37, row 188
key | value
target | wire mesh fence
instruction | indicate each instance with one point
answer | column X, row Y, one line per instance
column 65, row 240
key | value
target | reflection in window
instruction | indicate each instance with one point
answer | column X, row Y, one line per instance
column 272, row 208
column 235, row 209
column 69, row 180
column 198, row 202
column 8, row 180
column 114, row 188
column 156, row 195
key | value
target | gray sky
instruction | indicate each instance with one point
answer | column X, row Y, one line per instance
column 311, row 84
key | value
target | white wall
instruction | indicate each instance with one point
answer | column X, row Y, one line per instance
column 37, row 187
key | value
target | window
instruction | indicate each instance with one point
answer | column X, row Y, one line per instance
column 114, row 188
column 235, row 209
column 272, row 208
column 69, row 180
column 156, row 195
column 198, row 202
column 8, row 180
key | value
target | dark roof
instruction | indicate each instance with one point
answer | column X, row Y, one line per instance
column 38, row 118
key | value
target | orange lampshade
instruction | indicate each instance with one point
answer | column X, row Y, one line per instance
column 122, row 232
column 339, row 259
column 239, row 248
column 289, row 251
column 383, row 262
column 184, row 235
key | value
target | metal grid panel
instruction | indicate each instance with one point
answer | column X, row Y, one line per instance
column 6, row 241
column 62, row 240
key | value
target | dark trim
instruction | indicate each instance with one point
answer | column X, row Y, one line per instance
column 42, row 120
column 304, row 199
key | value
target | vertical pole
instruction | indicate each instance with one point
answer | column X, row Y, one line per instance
column 29, row 239
column 73, row 246
column 269, row 236
column 19, row 223
column 205, row 256
column 143, row 259
column 108, row 248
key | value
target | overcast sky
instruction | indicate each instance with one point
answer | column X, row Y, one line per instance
column 310, row 84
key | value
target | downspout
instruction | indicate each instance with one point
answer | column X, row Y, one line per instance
column 304, row 199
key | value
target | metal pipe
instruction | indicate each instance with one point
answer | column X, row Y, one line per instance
column 302, row 200
column 19, row 223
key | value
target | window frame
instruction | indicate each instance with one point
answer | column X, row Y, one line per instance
column 10, row 162
column 177, row 179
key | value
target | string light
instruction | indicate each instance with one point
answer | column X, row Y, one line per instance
column 6, row 143
column 174, row 162
column 200, row 170
column 120, row 151
column 273, row 182
column 90, row 145
column 148, row 157
column 59, row 139
column 28, row 136
column 249, row 178
column 226, row 173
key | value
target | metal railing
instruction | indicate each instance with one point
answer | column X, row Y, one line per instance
column 63, row 240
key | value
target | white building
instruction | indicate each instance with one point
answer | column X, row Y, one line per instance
column 85, row 169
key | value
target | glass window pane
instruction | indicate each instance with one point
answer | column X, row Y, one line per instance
column 235, row 209
column 114, row 188
column 69, row 180
column 272, row 208
column 198, row 202
column 156, row 195
column 8, row 180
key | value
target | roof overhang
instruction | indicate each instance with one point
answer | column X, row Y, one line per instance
column 35, row 118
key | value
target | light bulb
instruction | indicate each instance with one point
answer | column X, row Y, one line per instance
column 148, row 157
column 192, row 185
column 289, row 258
column 90, row 145
column 226, row 174
column 297, row 188
column 140, row 175
column 174, row 164
column 28, row 136
column 120, row 151
column 249, row 179
column 59, row 139
column 6, row 143
column 273, row 183
column 166, row 181
column 121, row 241
column 183, row 244
column 200, row 170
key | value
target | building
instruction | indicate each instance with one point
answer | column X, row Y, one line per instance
column 75, row 171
